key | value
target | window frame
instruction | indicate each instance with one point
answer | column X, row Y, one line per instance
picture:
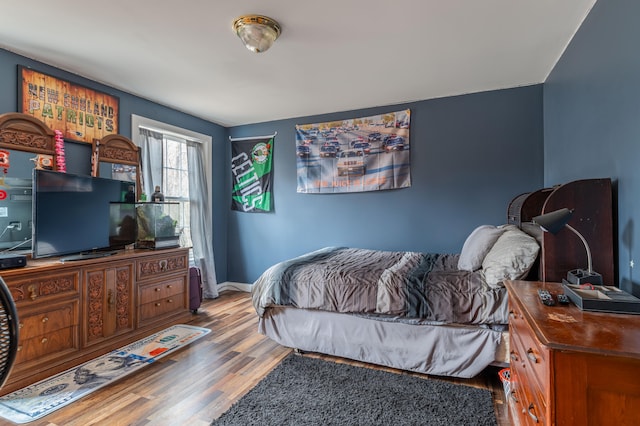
column 180, row 133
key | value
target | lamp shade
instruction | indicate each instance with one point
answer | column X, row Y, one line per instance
column 256, row 32
column 554, row 221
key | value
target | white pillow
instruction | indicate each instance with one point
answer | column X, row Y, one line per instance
column 511, row 257
column 476, row 247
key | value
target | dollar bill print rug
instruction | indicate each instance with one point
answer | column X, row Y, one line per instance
column 41, row 398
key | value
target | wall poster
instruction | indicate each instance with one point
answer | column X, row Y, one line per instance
column 251, row 165
column 80, row 113
column 354, row 155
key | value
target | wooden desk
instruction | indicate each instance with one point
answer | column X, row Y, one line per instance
column 571, row 367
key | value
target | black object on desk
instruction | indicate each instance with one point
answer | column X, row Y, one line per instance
column 600, row 298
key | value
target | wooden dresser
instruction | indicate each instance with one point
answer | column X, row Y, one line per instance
column 571, row 367
column 74, row 311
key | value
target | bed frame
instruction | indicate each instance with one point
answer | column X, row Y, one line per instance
column 459, row 350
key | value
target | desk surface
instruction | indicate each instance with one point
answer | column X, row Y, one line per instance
column 566, row 327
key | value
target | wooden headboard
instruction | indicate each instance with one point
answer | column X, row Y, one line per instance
column 592, row 202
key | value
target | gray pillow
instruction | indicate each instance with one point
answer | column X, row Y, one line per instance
column 511, row 257
column 477, row 245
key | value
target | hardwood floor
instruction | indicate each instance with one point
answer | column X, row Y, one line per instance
column 199, row 383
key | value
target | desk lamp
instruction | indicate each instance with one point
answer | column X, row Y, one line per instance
column 553, row 222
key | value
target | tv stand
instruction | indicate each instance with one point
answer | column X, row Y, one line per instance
column 85, row 256
column 70, row 312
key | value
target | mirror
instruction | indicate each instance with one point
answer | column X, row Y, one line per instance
column 117, row 157
column 15, row 202
column 25, row 143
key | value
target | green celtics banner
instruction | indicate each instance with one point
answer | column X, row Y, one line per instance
column 251, row 160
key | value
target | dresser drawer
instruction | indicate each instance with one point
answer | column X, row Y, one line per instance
column 54, row 318
column 529, row 406
column 163, row 290
column 523, row 364
column 533, row 355
column 48, row 344
column 32, row 289
column 161, row 265
column 159, row 308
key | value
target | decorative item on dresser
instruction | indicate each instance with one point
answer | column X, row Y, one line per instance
column 74, row 311
column 570, row 367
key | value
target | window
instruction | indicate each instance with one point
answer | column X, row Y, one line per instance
column 165, row 163
column 175, row 181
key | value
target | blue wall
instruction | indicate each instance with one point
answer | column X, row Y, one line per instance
column 592, row 118
column 470, row 155
column 78, row 155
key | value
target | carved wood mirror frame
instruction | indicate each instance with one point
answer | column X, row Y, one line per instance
column 23, row 132
column 20, row 132
column 117, row 149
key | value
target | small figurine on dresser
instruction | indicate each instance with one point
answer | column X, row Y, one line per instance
column 130, row 196
column 157, row 195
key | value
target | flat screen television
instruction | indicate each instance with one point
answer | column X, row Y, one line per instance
column 71, row 214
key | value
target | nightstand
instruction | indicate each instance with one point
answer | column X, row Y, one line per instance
column 570, row 367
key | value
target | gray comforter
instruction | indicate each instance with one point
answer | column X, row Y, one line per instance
column 408, row 286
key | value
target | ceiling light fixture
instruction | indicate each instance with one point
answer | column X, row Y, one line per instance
column 256, row 32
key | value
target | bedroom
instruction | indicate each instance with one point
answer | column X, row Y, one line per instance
column 580, row 123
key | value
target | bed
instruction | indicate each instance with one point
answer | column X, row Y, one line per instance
column 433, row 313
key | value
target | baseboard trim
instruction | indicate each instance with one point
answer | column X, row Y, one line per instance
column 234, row 286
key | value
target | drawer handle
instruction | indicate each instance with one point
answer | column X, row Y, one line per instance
column 156, row 289
column 531, row 414
column 514, row 356
column 32, row 292
column 512, row 314
column 20, row 325
column 45, row 319
column 513, row 396
column 170, row 301
column 44, row 340
column 532, row 356
column 163, row 265
column 169, row 286
column 157, row 304
column 19, row 348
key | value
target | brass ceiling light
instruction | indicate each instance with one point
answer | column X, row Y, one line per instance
column 256, row 32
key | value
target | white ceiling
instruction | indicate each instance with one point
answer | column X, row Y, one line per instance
column 333, row 55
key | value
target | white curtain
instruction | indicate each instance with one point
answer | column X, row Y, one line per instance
column 200, row 220
column 151, row 152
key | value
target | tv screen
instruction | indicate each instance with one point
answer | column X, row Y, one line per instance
column 71, row 213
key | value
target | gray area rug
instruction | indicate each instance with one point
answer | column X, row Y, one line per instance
column 308, row 391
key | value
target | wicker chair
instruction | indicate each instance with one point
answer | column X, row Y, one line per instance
column 8, row 332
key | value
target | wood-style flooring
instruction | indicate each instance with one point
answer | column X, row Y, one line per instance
column 197, row 384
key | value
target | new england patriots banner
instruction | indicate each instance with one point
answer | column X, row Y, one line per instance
column 251, row 162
